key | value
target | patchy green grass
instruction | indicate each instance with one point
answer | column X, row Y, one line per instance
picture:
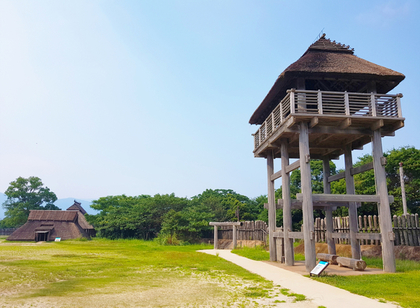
column 128, row 272
column 400, row 287
column 297, row 297
column 259, row 253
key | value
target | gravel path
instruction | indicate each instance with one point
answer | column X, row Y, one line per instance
column 319, row 294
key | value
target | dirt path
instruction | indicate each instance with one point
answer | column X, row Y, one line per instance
column 319, row 294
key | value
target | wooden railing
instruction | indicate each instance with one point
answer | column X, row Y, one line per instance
column 299, row 102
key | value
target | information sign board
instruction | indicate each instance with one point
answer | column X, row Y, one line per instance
column 319, row 268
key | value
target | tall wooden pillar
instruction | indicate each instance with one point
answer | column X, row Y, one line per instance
column 216, row 239
column 350, row 189
column 307, row 205
column 287, row 205
column 271, row 207
column 328, row 210
column 385, row 222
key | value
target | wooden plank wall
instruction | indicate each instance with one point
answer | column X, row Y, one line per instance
column 250, row 230
column 405, row 227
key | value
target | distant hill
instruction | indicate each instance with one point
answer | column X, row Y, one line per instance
column 61, row 203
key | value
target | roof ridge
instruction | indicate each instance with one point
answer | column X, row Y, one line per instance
column 324, row 44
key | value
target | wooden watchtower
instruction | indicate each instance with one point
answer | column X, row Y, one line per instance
column 327, row 103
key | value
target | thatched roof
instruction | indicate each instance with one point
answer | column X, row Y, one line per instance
column 327, row 60
column 77, row 206
column 52, row 215
column 83, row 223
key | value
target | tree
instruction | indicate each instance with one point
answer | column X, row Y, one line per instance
column 365, row 182
column 410, row 157
column 224, row 203
column 24, row 195
column 133, row 217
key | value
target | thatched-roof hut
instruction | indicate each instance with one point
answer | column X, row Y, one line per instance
column 49, row 225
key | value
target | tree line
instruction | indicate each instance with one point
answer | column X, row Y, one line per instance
column 175, row 218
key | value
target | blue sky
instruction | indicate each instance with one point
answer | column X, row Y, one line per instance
column 142, row 97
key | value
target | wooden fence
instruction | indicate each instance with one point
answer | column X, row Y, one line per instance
column 7, row 231
column 250, row 230
column 406, row 229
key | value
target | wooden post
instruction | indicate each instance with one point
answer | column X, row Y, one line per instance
column 234, row 236
column 215, row 238
column 271, row 207
column 385, row 212
column 307, row 205
column 404, row 200
column 350, row 189
column 328, row 210
column 287, row 205
column 280, row 249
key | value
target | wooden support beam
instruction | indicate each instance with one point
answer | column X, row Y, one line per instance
column 307, row 206
column 346, row 198
column 271, row 206
column 339, row 131
column 289, row 168
column 294, row 139
column 314, row 122
column 350, row 189
column 376, row 125
column 287, row 213
column 384, row 210
column 346, row 123
column 361, row 169
column 226, row 223
column 291, row 235
column 276, row 175
column 321, row 139
column 398, row 125
column 353, row 171
column 359, row 236
column 369, row 236
column 336, row 177
column 318, row 205
column 293, row 166
column 328, row 211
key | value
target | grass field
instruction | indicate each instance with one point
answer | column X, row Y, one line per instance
column 124, row 273
column 402, row 287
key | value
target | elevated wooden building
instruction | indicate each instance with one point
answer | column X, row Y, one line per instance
column 45, row 225
column 328, row 103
